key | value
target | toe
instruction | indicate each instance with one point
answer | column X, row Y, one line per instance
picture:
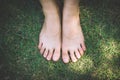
column 81, row 51
column 56, row 55
column 83, row 46
column 65, row 57
column 50, row 53
column 72, row 55
column 42, row 50
column 77, row 54
column 45, row 53
column 40, row 45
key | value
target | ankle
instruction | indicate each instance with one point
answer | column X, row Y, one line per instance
column 71, row 11
column 52, row 14
column 71, row 17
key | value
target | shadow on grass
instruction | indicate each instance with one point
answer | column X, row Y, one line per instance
column 20, row 23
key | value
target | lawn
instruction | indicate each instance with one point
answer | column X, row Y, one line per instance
column 20, row 24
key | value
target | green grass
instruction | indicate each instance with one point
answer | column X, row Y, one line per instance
column 20, row 23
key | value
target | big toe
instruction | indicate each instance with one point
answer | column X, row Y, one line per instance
column 65, row 57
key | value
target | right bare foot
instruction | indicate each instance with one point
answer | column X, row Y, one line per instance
column 50, row 36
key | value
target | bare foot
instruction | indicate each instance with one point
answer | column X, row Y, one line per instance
column 50, row 39
column 73, row 45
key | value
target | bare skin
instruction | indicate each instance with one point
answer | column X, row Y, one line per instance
column 50, row 36
column 73, row 45
column 72, row 40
